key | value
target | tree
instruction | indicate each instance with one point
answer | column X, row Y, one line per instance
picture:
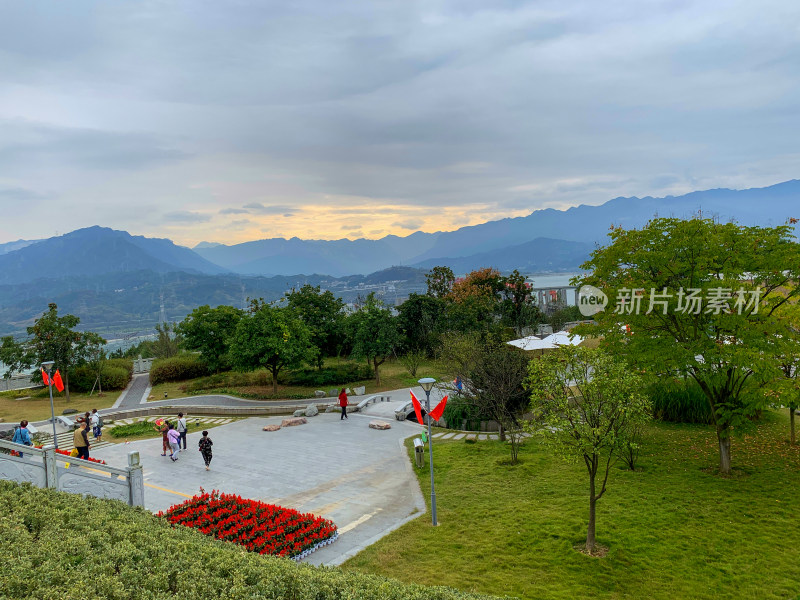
column 492, row 376
column 55, row 338
column 209, row 331
column 373, row 331
column 785, row 390
column 420, row 319
column 271, row 338
column 14, row 356
column 322, row 312
column 168, row 342
column 440, row 281
column 698, row 299
column 588, row 404
column 518, row 310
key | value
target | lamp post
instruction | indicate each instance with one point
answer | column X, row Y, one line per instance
column 427, row 384
column 48, row 368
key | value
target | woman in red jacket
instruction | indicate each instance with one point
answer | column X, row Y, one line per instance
column 343, row 404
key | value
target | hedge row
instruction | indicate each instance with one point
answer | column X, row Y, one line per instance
column 177, row 368
column 117, row 373
column 339, row 375
column 55, row 551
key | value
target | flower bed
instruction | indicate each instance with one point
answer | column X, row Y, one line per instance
column 257, row 526
column 68, row 453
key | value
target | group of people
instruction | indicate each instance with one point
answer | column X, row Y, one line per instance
column 80, row 437
column 173, row 436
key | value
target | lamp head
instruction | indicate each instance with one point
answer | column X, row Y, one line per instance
column 427, row 383
column 47, row 365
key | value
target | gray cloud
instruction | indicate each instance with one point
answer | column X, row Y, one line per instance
column 408, row 224
column 494, row 108
column 185, row 216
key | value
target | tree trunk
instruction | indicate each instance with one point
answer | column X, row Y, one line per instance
column 590, row 540
column 274, row 381
column 723, row 435
column 502, row 433
column 377, row 371
column 792, row 440
column 66, row 383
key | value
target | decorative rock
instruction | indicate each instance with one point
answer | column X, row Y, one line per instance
column 333, row 393
column 360, row 391
column 272, row 428
column 379, row 425
column 319, row 394
column 294, row 421
column 69, row 411
column 348, row 391
column 300, row 412
column 312, row 410
column 331, row 408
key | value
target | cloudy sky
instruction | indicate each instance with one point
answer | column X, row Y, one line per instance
column 232, row 120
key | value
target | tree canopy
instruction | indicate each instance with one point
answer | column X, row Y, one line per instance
column 209, row 331
column 373, row 332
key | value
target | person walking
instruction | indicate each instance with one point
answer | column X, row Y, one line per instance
column 97, row 425
column 22, row 435
column 343, row 404
column 204, row 445
column 164, row 430
column 182, row 428
column 80, row 440
column 174, row 442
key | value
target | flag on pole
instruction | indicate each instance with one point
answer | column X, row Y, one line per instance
column 57, row 381
column 437, row 412
column 45, row 378
column 417, row 408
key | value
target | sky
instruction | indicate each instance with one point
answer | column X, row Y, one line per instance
column 234, row 120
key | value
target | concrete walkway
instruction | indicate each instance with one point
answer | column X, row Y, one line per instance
column 359, row 477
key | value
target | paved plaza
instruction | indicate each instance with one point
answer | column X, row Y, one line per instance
column 360, row 478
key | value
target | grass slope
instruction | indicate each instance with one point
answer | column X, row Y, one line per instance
column 674, row 530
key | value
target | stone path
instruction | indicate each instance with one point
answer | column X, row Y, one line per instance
column 136, row 393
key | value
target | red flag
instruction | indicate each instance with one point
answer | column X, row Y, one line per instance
column 60, row 384
column 45, row 378
column 437, row 412
column 417, row 408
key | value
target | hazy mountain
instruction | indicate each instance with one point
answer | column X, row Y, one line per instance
column 11, row 246
column 583, row 224
column 538, row 256
column 96, row 251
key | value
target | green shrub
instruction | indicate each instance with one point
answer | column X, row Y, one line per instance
column 177, row 368
column 458, row 410
column 677, row 401
column 127, row 554
column 82, row 379
column 121, row 363
column 339, row 375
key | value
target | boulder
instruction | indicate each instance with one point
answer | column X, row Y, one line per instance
column 69, row 411
column 294, row 421
column 312, row 410
column 360, row 391
column 300, row 412
column 334, row 393
column 379, row 425
column 272, row 428
column 319, row 394
column 348, row 391
column 332, row 408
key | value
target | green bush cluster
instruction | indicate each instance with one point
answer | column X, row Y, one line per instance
column 121, row 553
column 679, row 401
column 117, row 373
column 339, row 375
column 177, row 368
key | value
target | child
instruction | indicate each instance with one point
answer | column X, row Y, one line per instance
column 174, row 443
column 205, row 444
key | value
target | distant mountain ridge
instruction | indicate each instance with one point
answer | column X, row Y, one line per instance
column 97, row 251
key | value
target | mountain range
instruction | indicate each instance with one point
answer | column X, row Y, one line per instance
column 99, row 271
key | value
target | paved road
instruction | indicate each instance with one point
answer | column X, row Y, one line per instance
column 136, row 393
column 359, row 477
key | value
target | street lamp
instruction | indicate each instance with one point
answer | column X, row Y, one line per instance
column 48, row 368
column 427, row 384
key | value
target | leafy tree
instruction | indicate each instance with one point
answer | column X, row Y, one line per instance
column 14, row 356
column 373, row 331
column 412, row 360
column 168, row 342
column 517, row 307
column 563, row 316
column 706, row 293
column 492, row 376
column 323, row 313
column 209, row 331
column 589, row 405
column 55, row 338
column 271, row 338
column 785, row 390
column 440, row 281
column 421, row 319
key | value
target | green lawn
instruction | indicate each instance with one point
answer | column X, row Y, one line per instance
column 674, row 529
column 34, row 404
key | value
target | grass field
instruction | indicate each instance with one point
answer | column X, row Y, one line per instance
column 141, row 430
column 393, row 376
column 674, row 529
column 34, row 404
